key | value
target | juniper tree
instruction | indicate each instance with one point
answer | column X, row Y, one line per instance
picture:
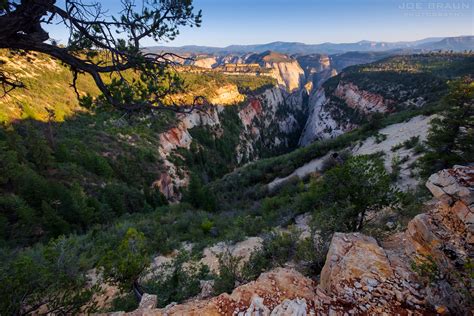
column 103, row 45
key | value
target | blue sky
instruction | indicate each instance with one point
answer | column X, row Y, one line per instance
column 227, row 22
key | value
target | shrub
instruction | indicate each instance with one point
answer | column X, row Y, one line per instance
column 311, row 252
column 276, row 250
column 380, row 138
column 124, row 265
column 427, row 269
column 46, row 277
column 199, row 196
column 177, row 280
column 412, row 142
column 396, row 162
column 229, row 273
column 206, row 226
column 124, row 303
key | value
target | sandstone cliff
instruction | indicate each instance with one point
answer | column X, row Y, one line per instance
column 321, row 124
column 285, row 70
column 266, row 121
column 205, row 62
column 333, row 113
column 317, row 68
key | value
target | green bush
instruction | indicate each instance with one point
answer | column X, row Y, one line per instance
column 48, row 277
column 199, row 196
column 276, row 250
column 123, row 266
column 229, row 273
column 124, row 303
column 177, row 280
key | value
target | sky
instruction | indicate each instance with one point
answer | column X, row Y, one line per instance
column 227, row 22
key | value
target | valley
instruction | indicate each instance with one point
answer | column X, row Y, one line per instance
column 258, row 203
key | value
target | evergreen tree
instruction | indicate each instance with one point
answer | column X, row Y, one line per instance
column 451, row 137
column 349, row 191
column 199, row 196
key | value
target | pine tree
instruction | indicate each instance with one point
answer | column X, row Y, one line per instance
column 451, row 137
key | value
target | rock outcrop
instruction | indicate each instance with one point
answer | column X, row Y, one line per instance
column 444, row 239
column 321, row 124
column 227, row 95
column 362, row 276
column 317, row 68
column 205, row 62
column 279, row 292
column 169, row 182
column 424, row 269
column 288, row 74
column 328, row 118
column 360, row 100
column 287, row 71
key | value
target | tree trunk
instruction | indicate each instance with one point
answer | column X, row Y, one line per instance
column 361, row 221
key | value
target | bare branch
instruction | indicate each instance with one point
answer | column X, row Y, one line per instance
column 100, row 44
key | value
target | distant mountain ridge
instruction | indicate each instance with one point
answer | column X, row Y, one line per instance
column 459, row 43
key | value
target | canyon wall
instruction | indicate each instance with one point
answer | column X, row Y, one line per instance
column 332, row 113
column 267, row 122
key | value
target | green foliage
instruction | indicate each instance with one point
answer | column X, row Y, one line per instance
column 427, row 269
column 82, row 176
column 451, row 137
column 177, row 280
column 50, row 275
column 124, row 265
column 208, row 83
column 411, row 203
column 199, row 196
column 125, row 303
column 396, row 166
column 347, row 192
column 206, row 226
column 380, row 138
column 412, row 142
column 276, row 250
column 229, row 273
column 464, row 277
column 311, row 253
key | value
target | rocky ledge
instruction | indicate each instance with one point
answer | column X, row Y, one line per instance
column 364, row 277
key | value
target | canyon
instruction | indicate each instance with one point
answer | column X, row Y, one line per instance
column 274, row 127
column 274, row 179
column 274, row 116
column 313, row 100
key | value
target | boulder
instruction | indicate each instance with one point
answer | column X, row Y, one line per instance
column 353, row 257
column 453, row 184
column 148, row 301
column 278, row 292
